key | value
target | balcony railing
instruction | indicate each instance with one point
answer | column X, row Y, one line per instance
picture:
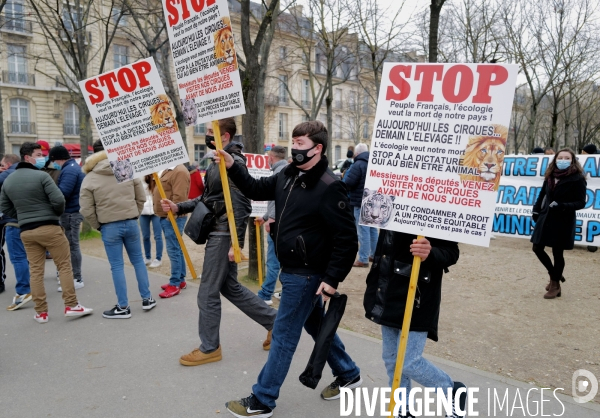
column 338, row 104
column 15, row 127
column 11, row 77
column 16, row 24
column 70, row 129
column 283, row 135
column 284, row 101
column 72, row 35
column 306, row 103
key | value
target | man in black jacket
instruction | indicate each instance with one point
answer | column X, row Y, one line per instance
column 219, row 273
column 385, row 302
column 315, row 241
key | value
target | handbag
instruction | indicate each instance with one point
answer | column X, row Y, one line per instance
column 200, row 223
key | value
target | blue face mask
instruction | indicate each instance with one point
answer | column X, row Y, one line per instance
column 562, row 164
column 56, row 166
column 40, row 162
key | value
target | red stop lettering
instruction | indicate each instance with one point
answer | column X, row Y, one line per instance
column 464, row 88
column 173, row 12
column 486, row 72
column 128, row 79
column 399, row 82
column 250, row 158
column 428, row 71
column 260, row 161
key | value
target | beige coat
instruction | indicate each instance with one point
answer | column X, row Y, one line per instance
column 176, row 183
column 102, row 199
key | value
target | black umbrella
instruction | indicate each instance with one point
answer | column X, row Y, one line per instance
column 329, row 324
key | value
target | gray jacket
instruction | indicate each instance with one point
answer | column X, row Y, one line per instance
column 277, row 167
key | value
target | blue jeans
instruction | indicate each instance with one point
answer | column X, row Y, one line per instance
column 145, row 221
column 367, row 238
column 415, row 366
column 115, row 235
column 71, row 223
column 174, row 249
column 298, row 299
column 18, row 258
column 273, row 267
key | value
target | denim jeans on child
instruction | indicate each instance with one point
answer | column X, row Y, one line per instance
column 367, row 238
column 415, row 366
column 298, row 298
column 145, row 222
column 273, row 267
column 174, row 249
column 115, row 235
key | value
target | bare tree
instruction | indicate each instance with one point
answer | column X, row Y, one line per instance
column 2, row 146
column 434, row 21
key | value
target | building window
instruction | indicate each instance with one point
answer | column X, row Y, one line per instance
column 199, row 151
column 365, row 130
column 337, row 127
column 118, row 18
column 323, row 118
column 17, row 66
column 283, row 95
column 306, row 92
column 19, row 117
column 71, row 126
column 200, row 130
column 338, row 153
column 283, row 119
column 337, row 99
column 282, row 53
column 365, row 104
column 72, row 16
column 352, row 100
column 14, row 13
column 120, row 55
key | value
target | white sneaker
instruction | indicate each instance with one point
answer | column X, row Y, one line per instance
column 154, row 264
column 277, row 295
column 78, row 310
column 78, row 285
column 147, row 261
column 42, row 317
column 268, row 302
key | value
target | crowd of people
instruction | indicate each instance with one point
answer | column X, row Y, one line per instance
column 314, row 239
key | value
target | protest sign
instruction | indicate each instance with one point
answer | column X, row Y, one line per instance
column 258, row 167
column 205, row 60
column 437, row 149
column 521, row 182
column 135, row 120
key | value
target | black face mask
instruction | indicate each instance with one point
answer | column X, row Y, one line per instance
column 300, row 156
column 208, row 140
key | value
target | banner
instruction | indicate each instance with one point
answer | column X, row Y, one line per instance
column 437, row 149
column 135, row 120
column 521, row 182
column 258, row 167
column 205, row 60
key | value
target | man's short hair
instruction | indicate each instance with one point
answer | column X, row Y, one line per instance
column 97, row 146
column 360, row 148
column 27, row 149
column 228, row 125
column 314, row 130
column 279, row 152
column 11, row 158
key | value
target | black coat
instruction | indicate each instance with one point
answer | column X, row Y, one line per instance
column 314, row 231
column 555, row 227
column 389, row 278
column 355, row 178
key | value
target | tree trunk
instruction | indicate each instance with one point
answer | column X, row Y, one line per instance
column 2, row 144
column 434, row 23
column 531, row 128
column 85, row 128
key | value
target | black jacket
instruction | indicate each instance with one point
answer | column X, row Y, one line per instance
column 555, row 227
column 355, row 178
column 388, row 280
column 214, row 199
column 314, row 230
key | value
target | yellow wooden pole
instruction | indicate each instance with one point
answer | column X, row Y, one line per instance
column 175, row 228
column 237, row 254
column 258, row 254
column 410, row 301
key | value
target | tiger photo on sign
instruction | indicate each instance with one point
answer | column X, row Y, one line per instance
column 376, row 208
column 162, row 115
column 224, row 47
column 485, row 155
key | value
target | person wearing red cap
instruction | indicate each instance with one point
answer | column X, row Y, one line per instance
column 45, row 147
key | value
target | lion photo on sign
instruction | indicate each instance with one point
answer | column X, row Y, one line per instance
column 162, row 114
column 224, row 47
column 485, row 154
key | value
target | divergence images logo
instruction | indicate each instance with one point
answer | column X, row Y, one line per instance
column 584, row 381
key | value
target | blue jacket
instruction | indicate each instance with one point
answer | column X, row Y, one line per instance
column 3, row 176
column 355, row 178
column 69, row 183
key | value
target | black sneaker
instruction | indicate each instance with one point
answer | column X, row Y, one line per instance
column 148, row 304
column 117, row 313
column 332, row 391
column 462, row 401
column 249, row 407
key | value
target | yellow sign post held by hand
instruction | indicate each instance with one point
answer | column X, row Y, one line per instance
column 410, row 301
column 258, row 252
column 161, row 191
column 237, row 254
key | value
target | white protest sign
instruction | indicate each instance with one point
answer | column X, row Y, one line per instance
column 135, row 120
column 205, row 60
column 258, row 167
column 522, row 179
column 436, row 154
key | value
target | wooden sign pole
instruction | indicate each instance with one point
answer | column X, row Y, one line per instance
column 410, row 301
column 237, row 254
column 175, row 228
column 258, row 252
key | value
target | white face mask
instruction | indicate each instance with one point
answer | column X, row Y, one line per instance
column 563, row 164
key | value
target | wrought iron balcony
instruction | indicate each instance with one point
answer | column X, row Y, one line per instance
column 16, row 127
column 12, row 77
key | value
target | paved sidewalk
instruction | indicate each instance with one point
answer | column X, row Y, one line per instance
column 96, row 367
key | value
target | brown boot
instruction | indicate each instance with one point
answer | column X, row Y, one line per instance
column 267, row 342
column 562, row 279
column 197, row 357
column 554, row 290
